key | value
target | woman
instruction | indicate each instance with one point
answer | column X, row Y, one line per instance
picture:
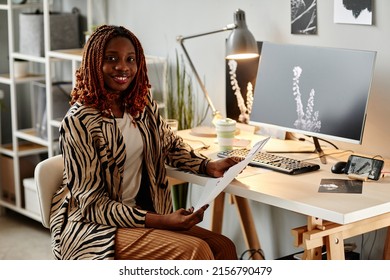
column 115, row 202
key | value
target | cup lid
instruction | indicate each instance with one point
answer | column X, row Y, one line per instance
column 226, row 121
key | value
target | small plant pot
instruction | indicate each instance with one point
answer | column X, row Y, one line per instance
column 20, row 69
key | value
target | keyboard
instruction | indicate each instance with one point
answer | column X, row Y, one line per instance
column 274, row 162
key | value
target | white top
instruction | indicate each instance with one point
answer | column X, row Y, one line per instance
column 133, row 165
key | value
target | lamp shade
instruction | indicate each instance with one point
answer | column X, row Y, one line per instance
column 241, row 43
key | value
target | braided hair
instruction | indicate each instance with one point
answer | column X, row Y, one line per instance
column 90, row 89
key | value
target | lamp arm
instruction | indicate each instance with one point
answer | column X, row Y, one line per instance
column 181, row 40
column 205, row 92
column 226, row 28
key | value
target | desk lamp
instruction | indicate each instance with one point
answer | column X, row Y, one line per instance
column 240, row 44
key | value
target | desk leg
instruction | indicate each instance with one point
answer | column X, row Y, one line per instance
column 335, row 246
column 316, row 253
column 318, row 233
column 248, row 225
column 217, row 213
column 386, row 250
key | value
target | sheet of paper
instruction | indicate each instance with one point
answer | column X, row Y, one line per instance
column 215, row 186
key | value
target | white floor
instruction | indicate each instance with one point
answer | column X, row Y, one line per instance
column 22, row 238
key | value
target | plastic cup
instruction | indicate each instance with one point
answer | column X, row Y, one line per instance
column 174, row 124
column 226, row 129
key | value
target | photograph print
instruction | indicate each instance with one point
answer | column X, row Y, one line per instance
column 303, row 16
column 353, row 11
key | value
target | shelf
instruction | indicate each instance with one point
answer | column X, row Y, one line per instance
column 31, row 135
column 20, row 210
column 20, row 6
column 24, row 149
column 7, row 150
column 28, row 57
column 70, row 54
column 56, row 123
column 5, row 78
column 27, row 149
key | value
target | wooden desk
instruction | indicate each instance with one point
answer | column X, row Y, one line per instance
column 331, row 217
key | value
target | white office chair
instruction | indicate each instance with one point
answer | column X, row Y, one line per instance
column 48, row 178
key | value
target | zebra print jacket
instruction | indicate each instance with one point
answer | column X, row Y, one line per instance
column 87, row 209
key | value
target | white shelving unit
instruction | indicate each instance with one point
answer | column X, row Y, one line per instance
column 24, row 145
column 27, row 146
column 26, row 140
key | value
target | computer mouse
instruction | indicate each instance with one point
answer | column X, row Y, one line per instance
column 339, row 167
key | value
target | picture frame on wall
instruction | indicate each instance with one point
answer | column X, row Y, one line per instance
column 353, row 11
column 303, row 17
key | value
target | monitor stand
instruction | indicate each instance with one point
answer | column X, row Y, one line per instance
column 317, row 149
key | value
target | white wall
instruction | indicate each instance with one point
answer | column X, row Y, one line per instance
column 157, row 23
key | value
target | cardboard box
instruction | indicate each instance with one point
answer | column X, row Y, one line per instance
column 64, row 32
column 7, row 176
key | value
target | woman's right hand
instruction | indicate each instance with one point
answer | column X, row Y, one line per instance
column 181, row 219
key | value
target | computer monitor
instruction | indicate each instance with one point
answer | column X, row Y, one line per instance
column 321, row 92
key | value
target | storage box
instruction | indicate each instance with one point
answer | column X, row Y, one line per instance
column 7, row 179
column 64, row 32
column 31, row 196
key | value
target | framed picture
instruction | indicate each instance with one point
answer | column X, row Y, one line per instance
column 303, row 16
column 353, row 11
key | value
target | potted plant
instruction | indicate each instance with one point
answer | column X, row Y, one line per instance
column 182, row 103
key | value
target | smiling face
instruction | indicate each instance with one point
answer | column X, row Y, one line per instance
column 119, row 65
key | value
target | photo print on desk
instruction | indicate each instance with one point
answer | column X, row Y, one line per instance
column 353, row 11
column 304, row 17
column 340, row 186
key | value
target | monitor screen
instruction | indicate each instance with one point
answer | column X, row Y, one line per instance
column 315, row 91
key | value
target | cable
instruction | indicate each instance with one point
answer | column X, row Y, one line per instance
column 363, row 244
column 379, row 156
column 204, row 147
column 372, row 245
column 322, row 139
column 252, row 253
column 328, row 142
column 329, row 154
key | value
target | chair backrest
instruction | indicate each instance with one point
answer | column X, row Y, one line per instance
column 48, row 177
